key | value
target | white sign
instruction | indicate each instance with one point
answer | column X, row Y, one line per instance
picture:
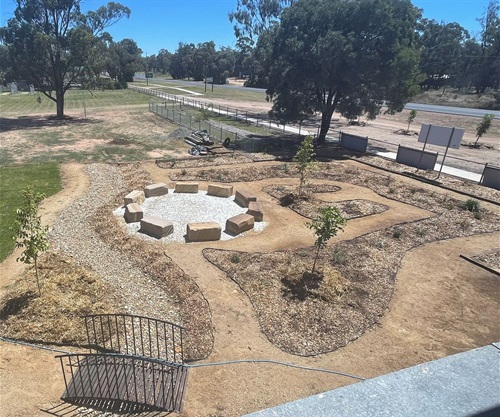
column 440, row 136
column 209, row 79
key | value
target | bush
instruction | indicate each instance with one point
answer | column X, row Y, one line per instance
column 472, row 205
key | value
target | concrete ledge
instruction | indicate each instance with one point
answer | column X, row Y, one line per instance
column 155, row 190
column 243, row 198
column 255, row 210
column 186, row 187
column 135, row 196
column 203, row 232
column 219, row 190
column 240, row 223
column 156, row 227
column 133, row 213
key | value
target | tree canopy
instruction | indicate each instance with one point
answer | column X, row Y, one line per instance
column 52, row 44
column 253, row 17
column 351, row 56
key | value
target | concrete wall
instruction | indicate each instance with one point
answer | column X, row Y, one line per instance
column 411, row 157
column 491, row 177
column 356, row 143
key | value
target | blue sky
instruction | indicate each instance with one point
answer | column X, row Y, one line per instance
column 157, row 24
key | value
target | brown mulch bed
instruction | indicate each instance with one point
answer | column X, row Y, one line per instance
column 492, row 259
column 314, row 324
column 204, row 161
column 308, row 206
column 468, row 187
column 151, row 258
column 237, row 174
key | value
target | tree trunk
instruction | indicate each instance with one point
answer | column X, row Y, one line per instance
column 60, row 103
column 315, row 260
column 326, row 118
column 37, row 278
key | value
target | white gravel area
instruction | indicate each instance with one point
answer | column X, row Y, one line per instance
column 184, row 208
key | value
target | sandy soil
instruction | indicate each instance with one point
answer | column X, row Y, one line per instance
column 438, row 308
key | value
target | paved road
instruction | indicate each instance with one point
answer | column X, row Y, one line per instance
column 461, row 111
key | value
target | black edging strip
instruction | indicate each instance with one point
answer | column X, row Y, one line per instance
column 481, row 264
column 432, row 182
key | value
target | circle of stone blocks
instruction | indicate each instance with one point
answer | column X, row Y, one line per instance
column 186, row 187
column 203, row 232
column 255, row 210
column 156, row 227
column 155, row 190
column 133, row 213
column 239, row 223
column 219, row 190
column 136, row 196
column 243, row 198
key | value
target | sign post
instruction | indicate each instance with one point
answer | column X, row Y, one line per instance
column 148, row 76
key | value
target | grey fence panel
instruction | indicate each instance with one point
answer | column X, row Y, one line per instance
column 353, row 142
column 416, row 158
column 491, row 177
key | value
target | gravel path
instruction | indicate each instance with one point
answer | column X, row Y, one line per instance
column 72, row 234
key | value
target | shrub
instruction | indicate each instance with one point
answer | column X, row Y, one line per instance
column 339, row 256
column 396, row 234
column 472, row 205
column 235, row 259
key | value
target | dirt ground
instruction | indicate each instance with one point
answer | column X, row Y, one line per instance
column 438, row 308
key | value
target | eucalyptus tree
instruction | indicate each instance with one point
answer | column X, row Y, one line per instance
column 253, row 17
column 350, row 56
column 51, row 42
column 441, row 54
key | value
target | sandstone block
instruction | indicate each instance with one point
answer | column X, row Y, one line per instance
column 240, row 223
column 155, row 190
column 186, row 187
column 133, row 213
column 202, row 232
column 255, row 210
column 219, row 190
column 156, row 227
column 243, row 198
column 135, row 196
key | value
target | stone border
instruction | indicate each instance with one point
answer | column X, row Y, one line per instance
column 200, row 232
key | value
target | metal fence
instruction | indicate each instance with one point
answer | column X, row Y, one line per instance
column 250, row 144
column 257, row 119
column 135, row 335
column 123, row 382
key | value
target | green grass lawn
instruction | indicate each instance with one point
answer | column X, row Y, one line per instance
column 44, row 178
column 23, row 103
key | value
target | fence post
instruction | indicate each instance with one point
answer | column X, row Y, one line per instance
column 220, row 132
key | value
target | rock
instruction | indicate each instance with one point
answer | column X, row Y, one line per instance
column 155, row 190
column 133, row 213
column 255, row 210
column 243, row 198
column 156, row 227
column 186, row 187
column 202, row 232
column 219, row 190
column 240, row 223
column 135, row 196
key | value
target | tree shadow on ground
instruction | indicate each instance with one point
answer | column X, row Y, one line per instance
column 16, row 304
column 39, row 122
